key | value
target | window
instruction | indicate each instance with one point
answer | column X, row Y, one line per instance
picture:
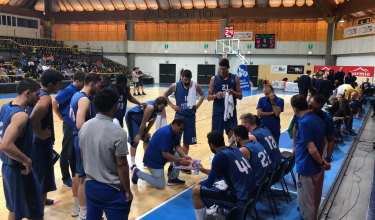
column 14, row 23
column 27, row 23
column 9, row 21
column 4, row 20
column 33, row 24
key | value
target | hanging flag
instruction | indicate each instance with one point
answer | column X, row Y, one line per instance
column 243, row 75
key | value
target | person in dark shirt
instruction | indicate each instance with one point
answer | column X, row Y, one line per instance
column 339, row 76
column 304, row 84
column 326, row 88
column 318, row 82
column 366, row 83
column 296, row 81
column 2, row 60
column 335, row 105
column 331, row 76
column 350, row 78
column 366, row 93
column 346, row 111
column 354, row 103
column 313, row 83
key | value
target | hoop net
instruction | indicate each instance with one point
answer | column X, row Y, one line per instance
column 225, row 54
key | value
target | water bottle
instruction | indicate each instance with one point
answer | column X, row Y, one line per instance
column 231, row 142
column 196, row 170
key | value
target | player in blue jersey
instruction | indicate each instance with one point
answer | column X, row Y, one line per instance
column 315, row 105
column 20, row 183
column 61, row 107
column 41, row 117
column 124, row 95
column 263, row 136
column 221, row 84
column 228, row 163
column 136, row 121
column 80, row 112
column 310, row 164
column 254, row 152
column 186, row 106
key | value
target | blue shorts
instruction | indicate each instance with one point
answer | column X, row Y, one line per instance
column 218, row 123
column 22, row 193
column 213, row 196
column 79, row 163
column 190, row 136
column 43, row 166
column 133, row 129
column 101, row 197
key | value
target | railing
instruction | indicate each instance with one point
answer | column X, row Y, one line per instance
column 189, row 35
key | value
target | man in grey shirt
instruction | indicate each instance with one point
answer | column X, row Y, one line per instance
column 135, row 81
column 104, row 150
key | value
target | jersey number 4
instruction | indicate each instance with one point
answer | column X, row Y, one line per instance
column 71, row 114
column 243, row 166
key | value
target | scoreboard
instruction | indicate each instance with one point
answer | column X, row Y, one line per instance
column 265, row 41
column 228, row 32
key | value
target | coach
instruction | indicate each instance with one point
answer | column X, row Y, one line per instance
column 269, row 109
column 304, row 84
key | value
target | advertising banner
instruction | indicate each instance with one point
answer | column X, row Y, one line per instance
column 359, row 30
column 293, row 69
column 243, row 75
column 358, row 71
column 279, row 69
column 243, row 35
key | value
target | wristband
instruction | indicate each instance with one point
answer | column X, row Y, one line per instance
column 322, row 163
column 329, row 160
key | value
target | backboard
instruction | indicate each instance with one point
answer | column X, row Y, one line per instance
column 227, row 46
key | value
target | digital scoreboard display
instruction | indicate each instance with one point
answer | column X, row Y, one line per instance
column 264, row 41
column 228, row 32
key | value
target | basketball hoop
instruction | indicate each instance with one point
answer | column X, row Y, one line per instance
column 225, row 54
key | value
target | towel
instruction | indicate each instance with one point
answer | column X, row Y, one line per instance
column 221, row 185
column 229, row 106
column 192, row 95
column 161, row 119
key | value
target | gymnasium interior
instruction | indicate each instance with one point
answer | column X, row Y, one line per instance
column 277, row 41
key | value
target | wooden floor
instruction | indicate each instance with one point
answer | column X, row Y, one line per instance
column 150, row 197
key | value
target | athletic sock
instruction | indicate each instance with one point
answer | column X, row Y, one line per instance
column 132, row 159
column 200, row 213
column 82, row 212
column 76, row 203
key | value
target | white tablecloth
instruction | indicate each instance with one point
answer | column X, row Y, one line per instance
column 291, row 87
column 278, row 84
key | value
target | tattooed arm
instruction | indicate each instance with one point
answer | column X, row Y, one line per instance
column 171, row 90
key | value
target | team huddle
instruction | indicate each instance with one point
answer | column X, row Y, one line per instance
column 95, row 145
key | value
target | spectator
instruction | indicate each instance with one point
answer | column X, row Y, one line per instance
column 310, row 165
column 296, row 81
column 40, row 68
column 44, row 67
column 331, row 77
column 340, row 97
column 355, row 105
column 349, row 79
column 3, row 74
column 70, row 62
column 269, row 109
column 346, row 112
column 80, row 62
column 304, row 84
column 140, row 78
column 366, row 83
column 326, row 88
column 358, row 90
column 348, row 91
column 2, row 60
column 24, row 65
column 19, row 73
column 335, row 105
column 224, row 167
column 57, row 60
column 313, row 83
column 318, row 82
column 135, row 81
column 366, row 93
column 339, row 76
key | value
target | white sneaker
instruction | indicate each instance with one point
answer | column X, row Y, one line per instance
column 75, row 211
column 82, row 218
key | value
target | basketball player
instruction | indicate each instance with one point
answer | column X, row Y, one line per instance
column 253, row 151
column 61, row 107
column 136, row 120
column 240, row 179
column 181, row 90
column 263, row 136
column 221, row 84
column 41, row 117
column 124, row 95
column 80, row 112
column 21, row 185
